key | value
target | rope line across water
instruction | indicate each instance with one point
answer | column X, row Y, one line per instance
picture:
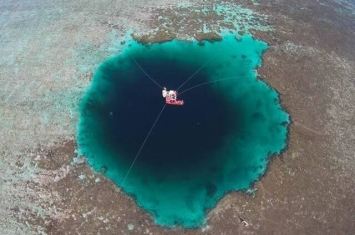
column 206, row 83
column 140, row 149
column 145, row 72
column 198, row 70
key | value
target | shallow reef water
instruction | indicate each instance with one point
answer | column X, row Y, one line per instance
column 220, row 140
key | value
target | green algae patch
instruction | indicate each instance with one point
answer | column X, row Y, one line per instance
column 219, row 141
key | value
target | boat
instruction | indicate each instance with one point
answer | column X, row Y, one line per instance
column 171, row 97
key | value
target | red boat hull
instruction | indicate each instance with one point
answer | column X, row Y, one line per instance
column 175, row 102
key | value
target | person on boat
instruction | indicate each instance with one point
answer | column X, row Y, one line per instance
column 164, row 92
column 171, row 94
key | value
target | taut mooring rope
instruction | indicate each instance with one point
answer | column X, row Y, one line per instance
column 140, row 149
column 145, row 72
column 197, row 71
column 206, row 83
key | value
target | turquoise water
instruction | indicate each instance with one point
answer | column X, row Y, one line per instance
column 220, row 141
